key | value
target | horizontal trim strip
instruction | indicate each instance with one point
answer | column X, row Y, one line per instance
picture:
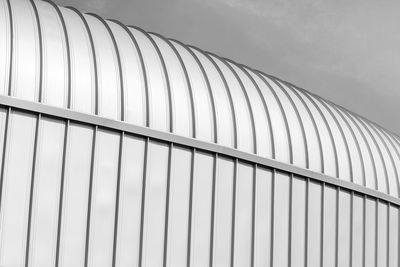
column 66, row 114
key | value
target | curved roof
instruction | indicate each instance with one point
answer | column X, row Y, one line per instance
column 61, row 57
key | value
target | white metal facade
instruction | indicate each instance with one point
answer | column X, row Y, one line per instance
column 123, row 148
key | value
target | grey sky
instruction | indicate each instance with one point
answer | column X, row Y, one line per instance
column 345, row 51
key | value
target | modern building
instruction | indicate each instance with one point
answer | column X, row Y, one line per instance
column 120, row 147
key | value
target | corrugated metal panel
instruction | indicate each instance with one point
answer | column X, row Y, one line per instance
column 76, row 193
column 190, row 159
column 58, row 56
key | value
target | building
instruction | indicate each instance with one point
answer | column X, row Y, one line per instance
column 121, row 147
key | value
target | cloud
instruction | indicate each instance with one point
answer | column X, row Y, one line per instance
column 99, row 4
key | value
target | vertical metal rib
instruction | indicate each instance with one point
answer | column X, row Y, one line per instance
column 398, row 156
column 297, row 91
column 306, row 94
column 188, row 84
column 142, row 204
column 167, row 197
column 96, row 80
column 364, row 229
column 360, row 156
column 376, row 231
column 395, row 170
column 214, row 113
column 379, row 152
column 189, row 240
column 246, row 96
column 290, row 219
column 271, row 247
column 396, row 138
column 39, row 29
column 337, row 227
column 210, row 93
column 121, row 78
column 288, row 133
column 347, row 112
column 221, row 75
column 61, row 196
column 215, row 167
column 253, row 213
column 394, row 135
column 392, row 138
column 322, row 224
column 32, row 185
column 306, row 148
column 365, row 124
column 328, row 126
column 139, row 52
column 168, row 87
column 388, row 234
column 306, row 221
column 366, row 144
column 4, row 154
column 89, row 206
column 64, row 27
column 10, row 15
column 266, row 110
column 351, row 228
column 310, row 115
column 233, row 225
column 341, row 133
column 117, row 193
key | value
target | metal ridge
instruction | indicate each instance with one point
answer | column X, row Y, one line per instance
column 98, row 121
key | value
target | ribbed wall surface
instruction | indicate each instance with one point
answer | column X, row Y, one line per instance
column 75, row 193
column 80, row 193
column 61, row 57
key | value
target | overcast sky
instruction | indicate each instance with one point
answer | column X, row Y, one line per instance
column 345, row 51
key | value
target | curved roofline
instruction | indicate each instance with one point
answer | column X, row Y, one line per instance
column 39, row 29
column 272, row 143
column 232, row 106
column 307, row 94
column 121, row 81
column 244, row 65
column 263, row 114
column 188, row 84
column 166, row 77
column 96, row 78
column 225, row 62
column 137, row 48
column 61, row 17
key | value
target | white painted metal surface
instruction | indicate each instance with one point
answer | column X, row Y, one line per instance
column 121, row 147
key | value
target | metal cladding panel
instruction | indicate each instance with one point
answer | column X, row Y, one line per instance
column 61, row 57
column 121, row 147
column 75, row 193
